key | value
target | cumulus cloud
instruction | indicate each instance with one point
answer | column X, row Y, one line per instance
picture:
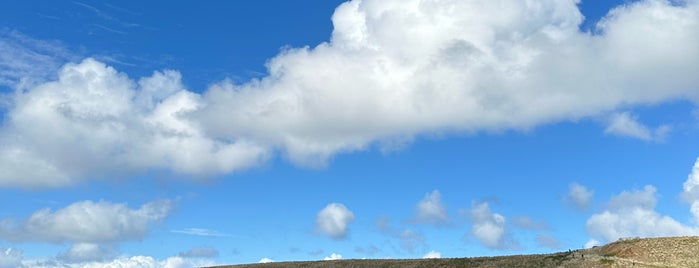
column 333, row 220
column 625, row 124
column 489, row 227
column 591, row 243
column 432, row 255
column 691, row 190
column 631, row 214
column 579, row 196
column 87, row 252
column 94, row 121
column 392, row 70
column 431, row 209
column 265, row 260
column 333, row 256
column 199, row 252
column 86, row 222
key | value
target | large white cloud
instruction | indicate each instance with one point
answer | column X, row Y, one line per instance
column 691, row 191
column 632, row 213
column 431, row 209
column 334, row 220
column 86, row 222
column 392, row 70
column 94, row 121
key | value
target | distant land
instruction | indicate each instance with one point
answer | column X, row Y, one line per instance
column 633, row 252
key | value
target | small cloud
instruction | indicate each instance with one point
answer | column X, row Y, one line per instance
column 432, row 255
column 431, row 210
column 200, row 232
column 626, row 125
column 546, row 240
column 332, row 257
column 87, row 252
column 592, row 243
column 266, row 260
column 579, row 196
column 529, row 223
column 409, row 240
column 200, row 252
column 370, row 250
column 489, row 227
column 333, row 220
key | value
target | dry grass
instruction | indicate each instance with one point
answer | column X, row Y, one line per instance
column 637, row 252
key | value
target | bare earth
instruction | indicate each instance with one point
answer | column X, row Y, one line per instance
column 636, row 252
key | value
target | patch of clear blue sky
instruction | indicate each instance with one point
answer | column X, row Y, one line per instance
column 269, row 211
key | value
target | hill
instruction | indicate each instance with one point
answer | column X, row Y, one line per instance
column 635, row 252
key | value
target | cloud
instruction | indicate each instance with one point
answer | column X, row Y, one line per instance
column 200, row 232
column 25, row 62
column 96, row 122
column 87, row 222
column 549, row 241
column 410, row 240
column 265, row 260
column 200, row 252
column 431, row 210
column 390, row 73
column 489, row 228
column 591, row 243
column 529, row 223
column 11, row 258
column 631, row 214
column 333, row 220
column 625, row 124
column 432, row 255
column 333, row 256
column 691, row 190
column 87, row 252
column 579, row 196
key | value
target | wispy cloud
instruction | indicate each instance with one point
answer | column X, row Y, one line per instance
column 201, row 232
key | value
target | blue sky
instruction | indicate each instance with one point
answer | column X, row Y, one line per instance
column 181, row 134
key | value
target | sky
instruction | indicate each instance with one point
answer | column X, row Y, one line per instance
column 181, row 134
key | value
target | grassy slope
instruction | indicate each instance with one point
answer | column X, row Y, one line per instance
column 646, row 252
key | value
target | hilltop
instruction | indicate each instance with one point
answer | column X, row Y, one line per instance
column 635, row 252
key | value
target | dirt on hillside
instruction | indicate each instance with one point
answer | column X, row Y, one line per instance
column 633, row 252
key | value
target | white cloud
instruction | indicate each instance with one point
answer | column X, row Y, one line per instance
column 87, row 252
column 333, row 256
column 631, row 214
column 87, row 222
column 431, row 209
column 333, row 220
column 432, row 255
column 25, row 61
column 489, row 227
column 625, row 124
column 579, row 196
column 96, row 122
column 199, row 252
column 265, row 260
column 691, row 190
column 11, row 258
column 591, row 243
column 392, row 70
